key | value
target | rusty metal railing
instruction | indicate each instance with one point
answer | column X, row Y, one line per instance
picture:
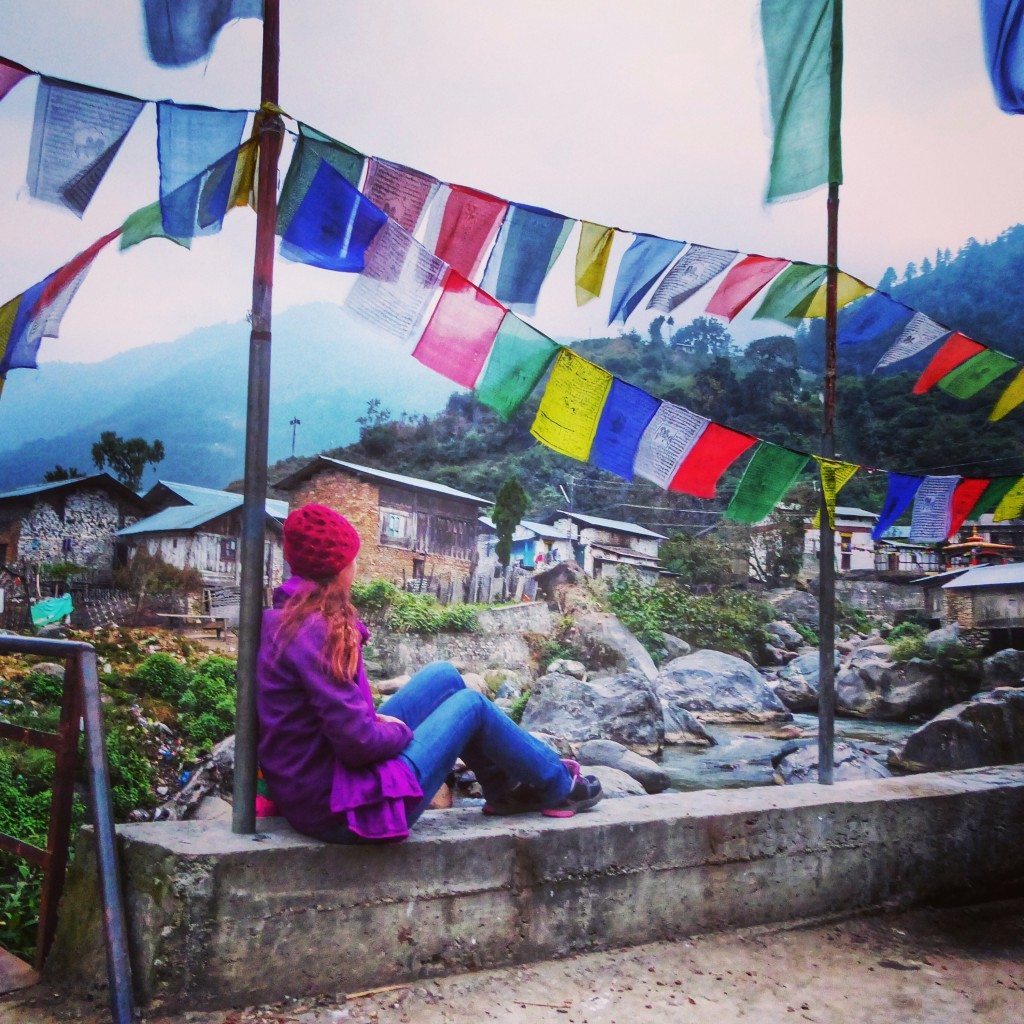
column 80, row 710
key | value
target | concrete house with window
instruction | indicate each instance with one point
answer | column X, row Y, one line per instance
column 854, row 548
column 410, row 528
column 603, row 546
column 534, row 545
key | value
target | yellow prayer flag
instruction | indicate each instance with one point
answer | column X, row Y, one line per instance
column 1010, row 398
column 592, row 260
column 1012, row 504
column 571, row 407
column 8, row 311
column 847, row 289
column 243, row 181
column 834, row 477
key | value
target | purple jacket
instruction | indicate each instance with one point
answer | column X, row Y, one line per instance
column 326, row 758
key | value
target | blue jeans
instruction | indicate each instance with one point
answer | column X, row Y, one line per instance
column 448, row 721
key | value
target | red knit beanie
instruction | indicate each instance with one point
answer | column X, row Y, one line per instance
column 319, row 542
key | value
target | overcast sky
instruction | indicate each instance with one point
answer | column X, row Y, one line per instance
column 648, row 116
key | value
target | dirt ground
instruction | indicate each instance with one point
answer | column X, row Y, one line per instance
column 934, row 966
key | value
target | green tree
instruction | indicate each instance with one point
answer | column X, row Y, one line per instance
column 126, row 458
column 705, row 338
column 510, row 506
column 697, row 559
column 889, row 278
column 58, row 473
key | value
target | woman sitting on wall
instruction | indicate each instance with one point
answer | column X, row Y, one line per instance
column 339, row 770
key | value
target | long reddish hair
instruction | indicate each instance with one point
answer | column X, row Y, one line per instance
column 333, row 600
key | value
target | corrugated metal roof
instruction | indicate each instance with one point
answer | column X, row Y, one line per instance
column 539, row 529
column 177, row 518
column 941, row 577
column 860, row 513
column 196, row 495
column 78, row 481
column 379, row 474
column 612, row 524
column 989, row 576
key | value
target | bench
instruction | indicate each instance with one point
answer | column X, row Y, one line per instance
column 179, row 620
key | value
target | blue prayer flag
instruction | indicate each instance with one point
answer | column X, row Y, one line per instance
column 642, row 265
column 898, row 497
column 26, row 334
column 868, row 319
column 624, row 418
column 180, row 32
column 192, row 143
column 1002, row 22
column 333, row 224
column 529, row 242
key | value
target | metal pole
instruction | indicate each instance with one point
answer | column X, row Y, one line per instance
column 243, row 814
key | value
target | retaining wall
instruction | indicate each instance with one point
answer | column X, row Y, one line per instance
column 218, row 919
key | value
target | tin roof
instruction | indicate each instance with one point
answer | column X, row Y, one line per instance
column 179, row 518
column 542, row 530
column 611, row 524
column 196, row 495
column 989, row 576
column 95, row 479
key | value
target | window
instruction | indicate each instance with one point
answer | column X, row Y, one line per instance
column 394, row 525
column 846, row 542
column 67, row 546
column 228, row 549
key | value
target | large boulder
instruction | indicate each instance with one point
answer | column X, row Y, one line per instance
column 674, row 647
column 614, row 783
column 797, row 683
column 618, row 648
column 610, row 754
column 796, row 606
column 785, row 636
column 718, row 687
column 944, row 637
column 623, row 707
column 801, row 765
column 987, row 730
column 683, row 729
column 567, row 666
column 1004, row 668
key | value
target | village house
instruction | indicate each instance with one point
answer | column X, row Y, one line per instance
column 68, row 521
column 987, row 597
column 854, row 548
column 201, row 528
column 413, row 531
column 534, row 545
column 602, row 546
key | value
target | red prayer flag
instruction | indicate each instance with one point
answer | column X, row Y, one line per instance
column 715, row 451
column 471, row 220
column 742, row 283
column 10, row 75
column 63, row 277
column 967, row 494
column 461, row 331
column 957, row 349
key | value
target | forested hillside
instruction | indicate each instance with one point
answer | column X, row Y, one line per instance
column 771, row 389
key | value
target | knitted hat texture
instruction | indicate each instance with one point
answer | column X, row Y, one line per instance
column 319, row 542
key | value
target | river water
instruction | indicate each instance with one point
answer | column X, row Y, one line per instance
column 743, row 756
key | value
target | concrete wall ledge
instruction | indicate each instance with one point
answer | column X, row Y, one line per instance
column 218, row 919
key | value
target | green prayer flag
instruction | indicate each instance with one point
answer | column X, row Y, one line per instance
column 50, row 610
column 769, row 474
column 803, row 47
column 794, row 286
column 519, row 358
column 978, row 372
column 311, row 148
column 992, row 495
column 147, row 223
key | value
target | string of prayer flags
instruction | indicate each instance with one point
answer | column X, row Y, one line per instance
column 932, row 514
column 398, row 283
column 972, row 376
column 571, row 406
column 769, row 474
column 742, row 283
column 529, row 242
column 667, row 440
column 834, row 477
column 181, row 32
column 955, row 351
column 967, row 494
column 333, row 224
column 10, row 75
column 871, row 318
column 1009, row 399
column 1011, row 505
column 899, row 494
column 399, row 191
column 519, row 358
column 592, row 260
column 714, row 452
column 694, row 269
column 311, row 148
column 190, row 140
column 76, row 133
column 642, row 264
column 793, row 286
column 1002, row 30
column 461, row 226
column 625, row 417
column 993, row 495
column 460, row 331
column 803, row 46
column 919, row 333
column 848, row 289
column 147, row 223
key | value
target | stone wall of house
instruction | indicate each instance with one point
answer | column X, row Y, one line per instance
column 83, row 535
column 359, row 501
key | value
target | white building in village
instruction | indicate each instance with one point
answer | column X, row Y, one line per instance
column 854, row 548
column 602, row 546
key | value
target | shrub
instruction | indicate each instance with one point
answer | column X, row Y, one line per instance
column 515, row 712
column 207, row 713
column 44, row 687
column 150, row 574
column 132, row 774
column 395, row 609
column 906, row 647
column 19, row 906
column 374, row 596
column 906, row 630
column 163, row 676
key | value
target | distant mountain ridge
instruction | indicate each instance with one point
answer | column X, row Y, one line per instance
column 191, row 393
